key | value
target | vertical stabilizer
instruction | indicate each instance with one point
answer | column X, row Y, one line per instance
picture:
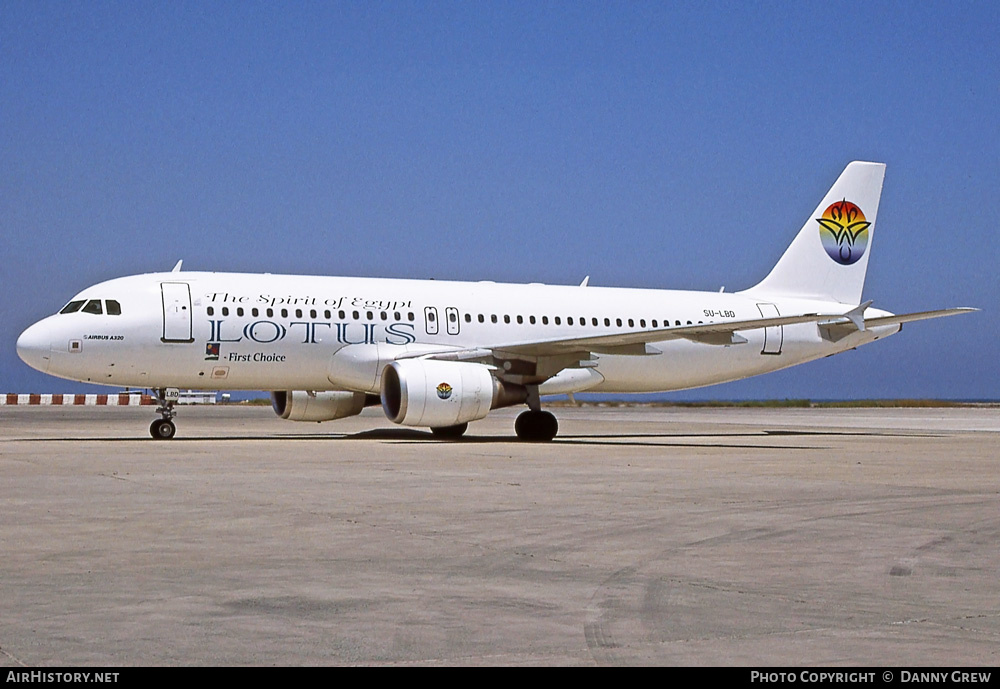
column 828, row 258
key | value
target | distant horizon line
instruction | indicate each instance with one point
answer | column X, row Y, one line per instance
column 598, row 400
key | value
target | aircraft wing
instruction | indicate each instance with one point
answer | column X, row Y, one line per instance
column 722, row 333
column 635, row 342
column 632, row 342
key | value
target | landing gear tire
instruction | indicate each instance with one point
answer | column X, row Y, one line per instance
column 536, row 426
column 162, row 429
column 450, row 432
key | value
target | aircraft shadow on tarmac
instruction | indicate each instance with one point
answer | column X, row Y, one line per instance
column 408, row 435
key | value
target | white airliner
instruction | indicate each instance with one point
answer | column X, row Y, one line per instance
column 441, row 354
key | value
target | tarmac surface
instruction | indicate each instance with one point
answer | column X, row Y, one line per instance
column 668, row 536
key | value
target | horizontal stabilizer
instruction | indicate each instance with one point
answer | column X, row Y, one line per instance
column 918, row 316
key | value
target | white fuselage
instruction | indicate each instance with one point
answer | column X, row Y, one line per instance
column 283, row 332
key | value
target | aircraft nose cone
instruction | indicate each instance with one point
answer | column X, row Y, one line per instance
column 34, row 346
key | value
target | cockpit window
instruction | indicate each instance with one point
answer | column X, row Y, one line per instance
column 72, row 307
column 113, row 308
column 93, row 306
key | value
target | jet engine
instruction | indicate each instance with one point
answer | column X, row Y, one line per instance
column 298, row 405
column 420, row 392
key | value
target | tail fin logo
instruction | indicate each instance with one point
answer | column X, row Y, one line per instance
column 844, row 232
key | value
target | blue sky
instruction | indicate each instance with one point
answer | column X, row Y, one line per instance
column 644, row 144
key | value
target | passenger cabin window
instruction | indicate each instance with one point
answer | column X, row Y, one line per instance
column 112, row 307
column 451, row 315
column 210, row 311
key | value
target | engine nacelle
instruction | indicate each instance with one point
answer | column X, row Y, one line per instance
column 297, row 405
column 437, row 393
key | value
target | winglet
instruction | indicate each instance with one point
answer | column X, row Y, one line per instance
column 177, row 267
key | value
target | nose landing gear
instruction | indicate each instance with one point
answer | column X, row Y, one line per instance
column 164, row 428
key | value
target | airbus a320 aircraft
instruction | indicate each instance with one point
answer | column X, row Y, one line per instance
column 442, row 354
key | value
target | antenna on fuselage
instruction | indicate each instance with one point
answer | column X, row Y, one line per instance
column 177, row 268
column 585, row 281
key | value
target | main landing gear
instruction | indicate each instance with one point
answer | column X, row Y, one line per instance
column 535, row 425
column 164, row 428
